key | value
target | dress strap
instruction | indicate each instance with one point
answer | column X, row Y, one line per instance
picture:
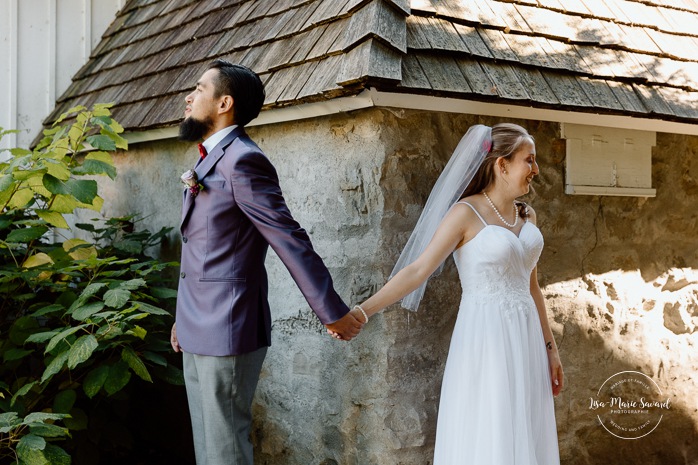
column 473, row 208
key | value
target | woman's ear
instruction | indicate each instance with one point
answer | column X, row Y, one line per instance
column 502, row 165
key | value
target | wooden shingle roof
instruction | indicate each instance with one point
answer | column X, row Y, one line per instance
column 627, row 57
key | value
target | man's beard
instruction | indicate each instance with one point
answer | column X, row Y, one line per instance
column 193, row 130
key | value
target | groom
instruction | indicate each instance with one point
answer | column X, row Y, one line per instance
column 233, row 211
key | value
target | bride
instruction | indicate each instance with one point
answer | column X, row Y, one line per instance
column 503, row 366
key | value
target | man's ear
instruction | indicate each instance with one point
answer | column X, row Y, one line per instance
column 225, row 104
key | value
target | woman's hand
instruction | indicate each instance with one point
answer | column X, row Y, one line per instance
column 556, row 374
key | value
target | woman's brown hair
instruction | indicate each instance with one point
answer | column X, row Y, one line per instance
column 506, row 141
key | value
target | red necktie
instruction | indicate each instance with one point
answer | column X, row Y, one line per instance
column 202, row 151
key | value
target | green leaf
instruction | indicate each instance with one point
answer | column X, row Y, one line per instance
column 6, row 181
column 18, row 151
column 102, row 142
column 55, row 185
column 42, row 337
column 128, row 246
column 56, row 456
column 64, row 204
column 95, row 380
column 39, row 417
column 82, row 350
column 55, row 366
column 95, row 167
column 46, row 430
column 5, row 222
column 137, row 331
column 104, row 157
column 64, row 401
column 45, row 310
column 155, row 358
column 96, row 204
column 116, row 298
column 75, row 109
column 88, row 292
column 38, row 259
column 75, row 133
column 62, row 335
column 85, row 190
column 91, row 289
column 118, row 377
column 9, row 421
column 133, row 284
column 134, row 361
column 26, row 234
column 163, row 293
column 85, row 227
column 153, row 310
column 16, row 354
column 32, row 457
column 5, row 196
column 120, row 142
column 135, row 317
column 53, row 218
column 102, row 109
column 27, row 174
column 108, row 332
column 30, row 442
column 21, row 198
column 57, row 169
column 86, row 311
column 36, row 185
column 21, row 392
column 171, row 374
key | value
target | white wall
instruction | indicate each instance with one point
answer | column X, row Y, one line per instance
column 43, row 43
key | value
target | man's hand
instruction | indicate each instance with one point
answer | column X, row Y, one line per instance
column 346, row 328
column 173, row 339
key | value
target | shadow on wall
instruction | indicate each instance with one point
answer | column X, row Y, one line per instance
column 584, row 441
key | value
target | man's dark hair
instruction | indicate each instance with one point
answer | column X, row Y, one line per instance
column 243, row 85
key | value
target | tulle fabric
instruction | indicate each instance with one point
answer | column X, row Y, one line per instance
column 459, row 171
column 496, row 403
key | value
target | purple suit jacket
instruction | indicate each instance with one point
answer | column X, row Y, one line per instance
column 222, row 306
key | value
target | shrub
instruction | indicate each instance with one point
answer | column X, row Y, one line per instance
column 78, row 317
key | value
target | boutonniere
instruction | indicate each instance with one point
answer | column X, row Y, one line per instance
column 192, row 182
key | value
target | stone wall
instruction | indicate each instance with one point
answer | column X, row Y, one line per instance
column 620, row 276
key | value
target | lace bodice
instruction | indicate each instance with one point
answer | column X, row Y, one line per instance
column 497, row 261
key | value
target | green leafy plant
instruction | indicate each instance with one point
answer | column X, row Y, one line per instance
column 78, row 316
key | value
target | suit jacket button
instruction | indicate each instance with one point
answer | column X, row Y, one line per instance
column 183, row 275
column 184, row 239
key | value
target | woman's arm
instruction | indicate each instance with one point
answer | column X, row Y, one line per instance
column 451, row 233
column 556, row 374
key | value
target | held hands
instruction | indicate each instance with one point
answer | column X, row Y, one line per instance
column 347, row 327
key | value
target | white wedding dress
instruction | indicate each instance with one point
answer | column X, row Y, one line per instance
column 496, row 403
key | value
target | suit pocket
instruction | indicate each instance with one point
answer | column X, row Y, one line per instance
column 219, row 185
column 222, row 280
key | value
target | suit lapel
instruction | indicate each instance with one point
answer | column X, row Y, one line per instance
column 205, row 166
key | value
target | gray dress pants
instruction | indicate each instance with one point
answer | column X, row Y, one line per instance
column 220, row 392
